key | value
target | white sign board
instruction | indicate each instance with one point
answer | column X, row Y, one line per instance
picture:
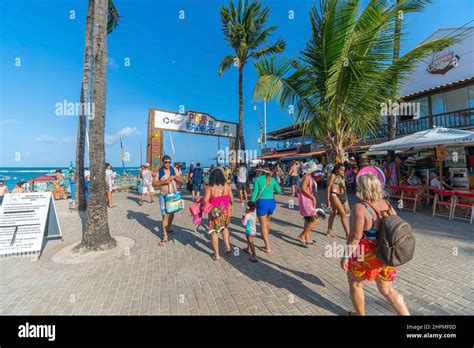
column 25, row 219
column 194, row 122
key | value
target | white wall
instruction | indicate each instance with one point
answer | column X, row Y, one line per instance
column 422, row 79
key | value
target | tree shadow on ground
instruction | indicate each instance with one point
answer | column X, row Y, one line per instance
column 145, row 220
column 263, row 272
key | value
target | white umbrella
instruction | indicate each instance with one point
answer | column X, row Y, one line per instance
column 428, row 138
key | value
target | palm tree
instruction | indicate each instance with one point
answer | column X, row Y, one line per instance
column 112, row 22
column 97, row 235
column 346, row 71
column 244, row 30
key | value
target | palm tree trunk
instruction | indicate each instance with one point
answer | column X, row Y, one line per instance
column 96, row 235
column 80, row 194
column 392, row 121
column 240, row 128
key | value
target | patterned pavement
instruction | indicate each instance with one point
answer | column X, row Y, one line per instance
column 182, row 279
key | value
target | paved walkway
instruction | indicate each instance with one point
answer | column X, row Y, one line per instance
column 181, row 278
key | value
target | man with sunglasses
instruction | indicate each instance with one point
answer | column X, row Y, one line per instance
column 168, row 178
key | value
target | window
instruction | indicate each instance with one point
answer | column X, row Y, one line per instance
column 456, row 99
column 471, row 96
column 437, row 103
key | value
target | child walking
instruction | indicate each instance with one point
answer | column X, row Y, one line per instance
column 249, row 220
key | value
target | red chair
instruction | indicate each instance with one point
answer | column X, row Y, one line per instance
column 447, row 204
column 463, row 202
column 395, row 192
column 410, row 194
column 430, row 193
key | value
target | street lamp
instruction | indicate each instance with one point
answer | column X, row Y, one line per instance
column 260, row 128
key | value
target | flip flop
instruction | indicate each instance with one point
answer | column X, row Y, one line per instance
column 264, row 250
column 312, row 242
column 252, row 259
column 215, row 258
column 162, row 242
column 227, row 252
column 246, row 250
column 304, row 244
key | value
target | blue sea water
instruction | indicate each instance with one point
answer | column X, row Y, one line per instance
column 12, row 175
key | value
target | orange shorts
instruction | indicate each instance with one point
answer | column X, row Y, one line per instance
column 368, row 265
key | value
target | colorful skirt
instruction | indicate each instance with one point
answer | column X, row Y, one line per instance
column 365, row 263
column 219, row 218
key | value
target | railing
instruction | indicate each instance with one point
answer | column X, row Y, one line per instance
column 457, row 119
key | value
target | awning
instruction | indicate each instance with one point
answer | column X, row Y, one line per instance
column 277, row 155
column 428, row 138
column 292, row 155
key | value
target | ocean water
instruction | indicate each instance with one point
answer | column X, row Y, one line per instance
column 12, row 175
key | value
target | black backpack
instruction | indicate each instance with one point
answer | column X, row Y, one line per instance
column 396, row 242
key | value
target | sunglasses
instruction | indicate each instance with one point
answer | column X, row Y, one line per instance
column 167, row 162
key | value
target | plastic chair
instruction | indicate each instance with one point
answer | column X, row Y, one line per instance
column 395, row 192
column 463, row 201
column 446, row 204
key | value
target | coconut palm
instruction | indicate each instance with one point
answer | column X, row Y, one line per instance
column 346, row 70
column 112, row 22
column 96, row 235
column 244, row 30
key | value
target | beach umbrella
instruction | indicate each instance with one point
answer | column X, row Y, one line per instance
column 428, row 138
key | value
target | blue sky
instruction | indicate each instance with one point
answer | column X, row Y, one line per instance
column 173, row 62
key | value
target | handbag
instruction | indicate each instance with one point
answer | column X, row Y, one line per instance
column 305, row 203
column 173, row 200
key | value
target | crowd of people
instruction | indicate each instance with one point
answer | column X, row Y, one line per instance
column 216, row 200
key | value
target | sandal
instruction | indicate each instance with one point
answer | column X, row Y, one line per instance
column 266, row 251
column 227, row 252
column 215, row 258
column 304, row 244
column 162, row 242
column 312, row 242
column 246, row 250
column 253, row 259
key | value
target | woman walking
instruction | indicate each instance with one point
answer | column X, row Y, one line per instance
column 307, row 202
column 336, row 198
column 263, row 190
column 361, row 261
column 218, row 197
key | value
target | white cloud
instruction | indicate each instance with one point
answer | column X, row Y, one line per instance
column 51, row 139
column 125, row 132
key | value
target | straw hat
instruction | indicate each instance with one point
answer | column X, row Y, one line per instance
column 309, row 167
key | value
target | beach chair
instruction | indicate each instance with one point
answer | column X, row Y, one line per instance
column 409, row 194
column 463, row 206
column 446, row 206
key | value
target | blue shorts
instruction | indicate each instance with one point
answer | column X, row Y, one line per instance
column 265, row 206
column 196, row 187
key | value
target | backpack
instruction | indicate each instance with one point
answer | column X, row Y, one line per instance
column 396, row 242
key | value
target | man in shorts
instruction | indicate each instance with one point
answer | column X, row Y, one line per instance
column 293, row 174
column 168, row 178
column 242, row 175
column 196, row 181
column 147, row 183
